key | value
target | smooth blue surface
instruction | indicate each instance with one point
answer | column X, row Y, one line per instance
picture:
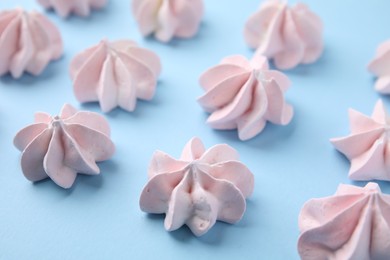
column 99, row 218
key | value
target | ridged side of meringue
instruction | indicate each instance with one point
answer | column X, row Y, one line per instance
column 352, row 224
column 115, row 74
column 198, row 189
column 68, row 7
column 28, row 42
column 167, row 19
column 244, row 95
column 287, row 35
column 59, row 147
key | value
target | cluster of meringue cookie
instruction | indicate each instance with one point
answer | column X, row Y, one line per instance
column 203, row 186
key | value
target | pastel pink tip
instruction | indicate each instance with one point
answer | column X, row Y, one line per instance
column 199, row 188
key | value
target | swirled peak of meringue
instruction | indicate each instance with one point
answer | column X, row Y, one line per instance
column 115, row 74
column 352, row 224
column 244, row 95
column 287, row 35
column 380, row 67
column 168, row 18
column 28, row 42
column 198, row 189
column 64, row 8
column 59, row 147
column 367, row 146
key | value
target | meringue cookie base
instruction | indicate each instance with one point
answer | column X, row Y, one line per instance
column 100, row 218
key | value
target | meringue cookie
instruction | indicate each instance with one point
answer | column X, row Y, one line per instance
column 115, row 74
column 288, row 35
column 367, row 147
column 245, row 95
column 380, row 67
column 61, row 146
column 199, row 188
column 168, row 18
column 352, row 224
column 28, row 42
column 78, row 7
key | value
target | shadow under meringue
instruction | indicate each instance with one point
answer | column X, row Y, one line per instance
column 270, row 136
column 53, row 69
column 316, row 67
column 177, row 42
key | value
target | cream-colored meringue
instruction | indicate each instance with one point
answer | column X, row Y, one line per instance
column 245, row 95
column 28, row 42
column 380, row 67
column 367, row 147
column 352, row 224
column 168, row 18
column 199, row 188
column 288, row 35
column 78, row 7
column 61, row 146
column 115, row 74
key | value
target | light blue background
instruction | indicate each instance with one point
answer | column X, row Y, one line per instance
column 99, row 218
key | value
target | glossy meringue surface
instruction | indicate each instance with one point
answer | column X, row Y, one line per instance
column 352, row 224
column 367, row 146
column 245, row 95
column 380, row 67
column 28, row 42
column 289, row 35
column 115, row 74
column 77, row 7
column 60, row 147
column 166, row 19
column 203, row 186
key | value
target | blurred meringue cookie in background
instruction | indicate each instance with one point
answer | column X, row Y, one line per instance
column 28, row 42
column 244, row 95
column 287, row 35
column 368, row 145
column 115, row 74
column 203, row 186
column 64, row 8
column 168, row 18
column 61, row 146
column 380, row 67
column 352, row 224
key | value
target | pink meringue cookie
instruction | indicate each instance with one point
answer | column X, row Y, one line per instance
column 78, row 7
column 199, row 188
column 245, row 95
column 352, row 224
column 367, row 147
column 115, row 74
column 61, row 146
column 380, row 67
column 288, row 35
column 28, row 42
column 168, row 18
